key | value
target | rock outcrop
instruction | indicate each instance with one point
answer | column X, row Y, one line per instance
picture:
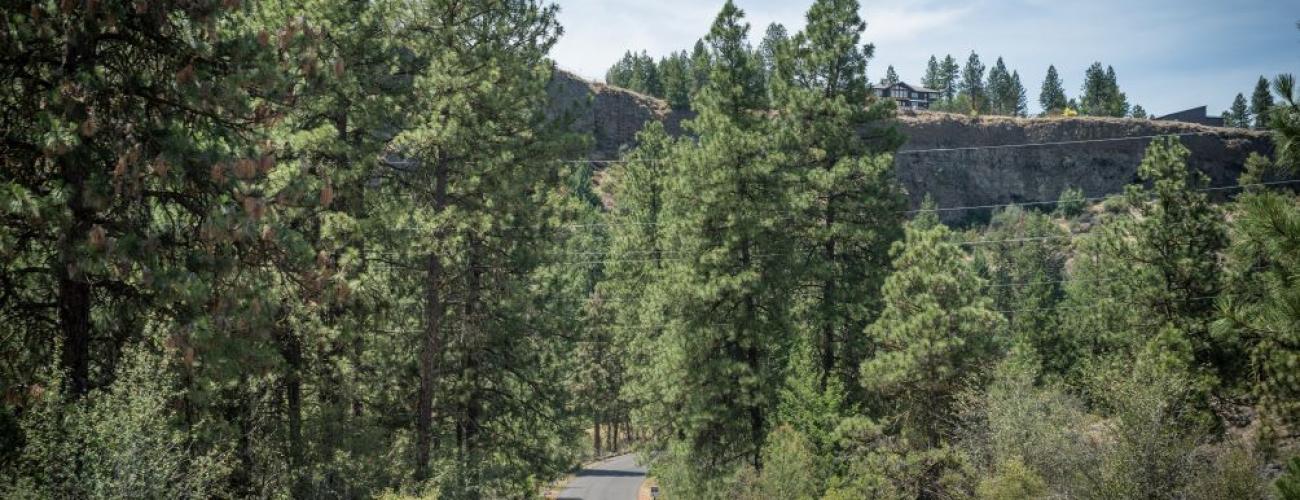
column 1069, row 152
column 1078, row 152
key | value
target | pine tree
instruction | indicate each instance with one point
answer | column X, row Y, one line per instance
column 972, row 83
column 1147, row 276
column 1261, row 102
column 638, row 254
column 933, row 78
column 1101, row 95
column 1260, row 289
column 998, row 89
column 1019, row 100
column 1024, row 277
column 1285, row 124
column 848, row 199
column 951, row 74
column 773, row 38
column 727, row 295
column 481, row 181
column 701, row 66
column 675, row 73
column 891, row 77
column 934, row 333
column 1052, row 96
column 1261, row 286
column 145, row 110
column 1239, row 115
column 1117, row 101
column 1139, row 112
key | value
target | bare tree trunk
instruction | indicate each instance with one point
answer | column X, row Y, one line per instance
column 74, row 290
column 291, row 351
column 595, row 438
column 431, row 346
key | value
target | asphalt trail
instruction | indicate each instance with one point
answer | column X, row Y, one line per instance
column 617, row 478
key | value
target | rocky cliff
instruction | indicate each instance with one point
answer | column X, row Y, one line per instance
column 937, row 158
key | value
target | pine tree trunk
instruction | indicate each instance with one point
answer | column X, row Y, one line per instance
column 74, row 291
column 74, row 322
column 595, row 439
column 473, row 405
column 291, row 351
column 431, row 347
column 828, row 300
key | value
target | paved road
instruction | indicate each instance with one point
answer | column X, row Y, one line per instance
column 617, row 478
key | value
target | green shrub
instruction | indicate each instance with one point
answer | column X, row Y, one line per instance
column 1229, row 471
column 1013, row 481
column 1288, row 484
column 126, row 442
column 1071, row 203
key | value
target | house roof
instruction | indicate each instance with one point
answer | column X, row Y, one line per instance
column 916, row 88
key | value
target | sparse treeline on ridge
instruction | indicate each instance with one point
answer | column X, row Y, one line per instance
column 335, row 249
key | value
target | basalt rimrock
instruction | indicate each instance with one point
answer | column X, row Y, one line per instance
column 961, row 161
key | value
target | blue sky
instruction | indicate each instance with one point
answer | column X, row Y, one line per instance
column 1169, row 55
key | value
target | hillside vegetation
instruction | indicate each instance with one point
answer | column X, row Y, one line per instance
column 335, row 249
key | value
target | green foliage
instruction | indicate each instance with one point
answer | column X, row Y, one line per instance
column 1239, row 114
column 933, row 334
column 1149, row 278
column 933, row 78
column 1261, row 103
column 1260, row 305
column 973, row 85
column 949, row 73
column 127, row 441
column 846, row 200
column 1012, row 481
column 1024, row 275
column 638, row 73
column 1284, row 121
column 1288, row 484
column 890, row 78
column 1006, row 95
column 1100, row 95
column 790, row 467
column 1071, row 202
column 330, row 249
column 1052, row 96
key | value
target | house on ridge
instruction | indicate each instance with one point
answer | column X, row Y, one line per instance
column 1194, row 115
column 908, row 96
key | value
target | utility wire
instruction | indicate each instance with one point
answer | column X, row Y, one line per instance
column 905, row 212
column 944, row 150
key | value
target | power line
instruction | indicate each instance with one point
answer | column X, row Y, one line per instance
column 1054, row 143
column 789, row 215
column 946, row 150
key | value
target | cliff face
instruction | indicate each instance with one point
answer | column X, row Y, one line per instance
column 612, row 115
column 928, row 164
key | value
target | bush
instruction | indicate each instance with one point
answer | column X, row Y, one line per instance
column 789, row 466
column 1013, row 481
column 1115, row 204
column 1071, row 202
column 1288, row 484
column 1015, row 434
column 1229, row 470
column 122, row 443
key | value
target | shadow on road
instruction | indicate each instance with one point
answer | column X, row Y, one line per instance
column 607, row 473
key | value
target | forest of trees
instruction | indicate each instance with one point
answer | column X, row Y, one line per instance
column 337, row 249
column 969, row 88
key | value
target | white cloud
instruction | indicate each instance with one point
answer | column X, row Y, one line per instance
column 895, row 24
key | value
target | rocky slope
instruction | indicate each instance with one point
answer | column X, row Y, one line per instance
column 933, row 160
